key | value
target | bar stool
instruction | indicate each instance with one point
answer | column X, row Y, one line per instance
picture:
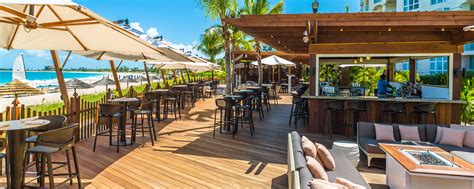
column 422, row 110
column 172, row 105
column 257, row 103
column 188, row 96
column 223, row 105
column 298, row 110
column 244, row 115
column 395, row 108
column 107, row 113
column 266, row 98
column 145, row 110
column 332, row 107
column 49, row 143
column 354, row 109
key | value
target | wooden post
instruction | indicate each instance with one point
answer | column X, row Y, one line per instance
column 345, row 77
column 76, row 112
column 15, row 114
column 174, row 76
column 146, row 73
column 279, row 73
column 389, row 70
column 312, row 74
column 60, row 77
column 116, row 79
column 412, row 65
column 457, row 76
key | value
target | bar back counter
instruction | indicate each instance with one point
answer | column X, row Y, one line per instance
column 446, row 111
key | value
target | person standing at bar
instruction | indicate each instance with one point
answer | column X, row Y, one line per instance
column 382, row 86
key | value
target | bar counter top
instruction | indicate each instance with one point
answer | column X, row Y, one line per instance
column 387, row 99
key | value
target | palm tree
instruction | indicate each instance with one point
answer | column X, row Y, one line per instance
column 211, row 43
column 259, row 7
column 221, row 9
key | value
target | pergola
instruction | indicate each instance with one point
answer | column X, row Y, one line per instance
column 380, row 35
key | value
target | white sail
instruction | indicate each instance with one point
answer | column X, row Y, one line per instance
column 19, row 69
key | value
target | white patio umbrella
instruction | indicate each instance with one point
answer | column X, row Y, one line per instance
column 65, row 25
column 274, row 61
column 9, row 14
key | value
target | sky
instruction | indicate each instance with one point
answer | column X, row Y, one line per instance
column 178, row 21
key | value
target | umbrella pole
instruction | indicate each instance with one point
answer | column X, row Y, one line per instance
column 182, row 75
column 147, row 75
column 164, row 78
column 187, row 73
column 174, row 77
column 60, row 77
column 116, row 80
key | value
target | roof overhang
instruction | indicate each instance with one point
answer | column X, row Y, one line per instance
column 355, row 33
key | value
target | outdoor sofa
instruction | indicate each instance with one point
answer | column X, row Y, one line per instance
column 299, row 175
column 368, row 144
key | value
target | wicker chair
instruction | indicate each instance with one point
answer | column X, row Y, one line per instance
column 145, row 110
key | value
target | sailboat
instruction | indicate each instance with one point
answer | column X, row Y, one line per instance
column 18, row 72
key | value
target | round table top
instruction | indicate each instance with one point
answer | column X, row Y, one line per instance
column 22, row 124
column 124, row 99
column 345, row 144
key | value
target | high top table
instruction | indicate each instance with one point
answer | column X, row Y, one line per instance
column 160, row 93
column 16, row 135
column 123, row 121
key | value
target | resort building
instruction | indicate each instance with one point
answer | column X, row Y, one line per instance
column 433, row 65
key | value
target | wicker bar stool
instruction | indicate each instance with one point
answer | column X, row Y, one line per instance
column 355, row 108
column 145, row 110
column 332, row 107
column 223, row 105
column 422, row 110
column 108, row 113
column 49, row 143
column 172, row 104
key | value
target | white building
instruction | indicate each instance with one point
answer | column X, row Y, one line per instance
column 434, row 65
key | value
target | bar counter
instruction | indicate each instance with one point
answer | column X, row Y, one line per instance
column 447, row 111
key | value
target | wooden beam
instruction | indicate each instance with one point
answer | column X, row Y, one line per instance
column 67, row 58
column 384, row 48
column 412, row 72
column 457, row 77
column 60, row 78
column 116, row 79
column 315, row 32
column 462, row 38
column 312, row 74
column 147, row 75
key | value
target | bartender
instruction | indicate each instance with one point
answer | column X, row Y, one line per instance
column 382, row 86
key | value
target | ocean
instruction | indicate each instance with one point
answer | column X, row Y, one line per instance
column 6, row 76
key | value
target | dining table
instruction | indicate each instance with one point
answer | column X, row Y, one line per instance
column 228, row 114
column 16, row 135
column 123, row 119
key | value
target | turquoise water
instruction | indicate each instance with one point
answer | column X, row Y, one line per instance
column 6, row 76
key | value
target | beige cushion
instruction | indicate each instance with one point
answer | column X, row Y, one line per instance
column 453, row 137
column 326, row 157
column 439, row 132
column 409, row 133
column 322, row 184
column 469, row 139
column 384, row 132
column 348, row 183
column 309, row 148
column 316, row 169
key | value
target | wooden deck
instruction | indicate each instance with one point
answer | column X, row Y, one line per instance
column 187, row 156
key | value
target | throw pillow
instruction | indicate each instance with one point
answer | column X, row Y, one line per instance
column 309, row 148
column 326, row 157
column 469, row 139
column 322, row 184
column 409, row 133
column 316, row 169
column 453, row 137
column 384, row 132
column 439, row 133
column 348, row 183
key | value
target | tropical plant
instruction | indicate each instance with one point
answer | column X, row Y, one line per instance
column 260, row 7
column 211, row 43
column 467, row 96
column 222, row 9
column 366, row 77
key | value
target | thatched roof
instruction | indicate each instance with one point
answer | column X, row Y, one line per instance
column 128, row 79
column 103, row 82
column 19, row 88
column 77, row 84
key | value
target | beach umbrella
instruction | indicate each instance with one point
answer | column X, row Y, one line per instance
column 19, row 88
column 77, row 84
column 128, row 79
column 105, row 81
column 274, row 61
column 65, row 25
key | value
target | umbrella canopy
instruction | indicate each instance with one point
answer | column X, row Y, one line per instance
column 77, row 84
column 9, row 13
column 128, row 79
column 17, row 87
column 103, row 82
column 275, row 61
column 141, row 78
column 65, row 25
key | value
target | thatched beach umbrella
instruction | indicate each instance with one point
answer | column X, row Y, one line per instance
column 77, row 84
column 128, row 79
column 105, row 81
column 19, row 88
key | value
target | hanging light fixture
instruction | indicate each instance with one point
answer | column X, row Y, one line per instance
column 368, row 57
column 469, row 28
column 361, row 59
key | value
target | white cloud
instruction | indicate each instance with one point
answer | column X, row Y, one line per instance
column 152, row 32
column 39, row 53
column 136, row 25
column 3, row 51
